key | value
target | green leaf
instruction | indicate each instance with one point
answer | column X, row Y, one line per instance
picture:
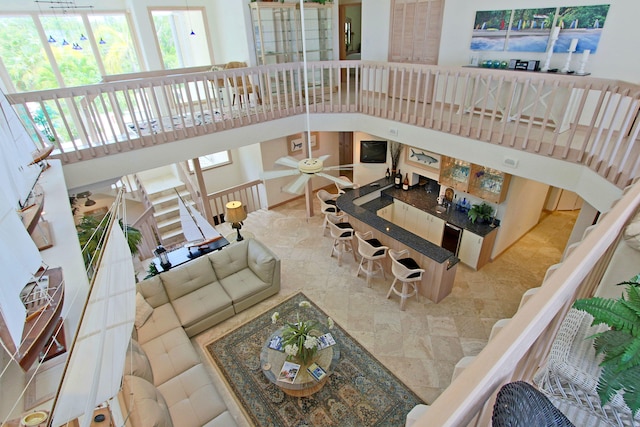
column 614, row 313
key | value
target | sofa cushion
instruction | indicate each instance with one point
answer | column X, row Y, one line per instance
column 188, row 277
column 153, row 291
column 223, row 420
column 243, row 284
column 137, row 362
column 192, row 399
column 146, row 405
column 143, row 310
column 170, row 354
column 163, row 319
column 230, row 260
column 261, row 261
column 201, row 303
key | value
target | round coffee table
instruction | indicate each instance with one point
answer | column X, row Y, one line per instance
column 304, row 384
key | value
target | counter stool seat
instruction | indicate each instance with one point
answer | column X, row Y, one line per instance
column 371, row 252
column 342, row 233
column 327, row 206
column 406, row 271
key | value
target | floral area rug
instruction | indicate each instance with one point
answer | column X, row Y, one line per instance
column 359, row 392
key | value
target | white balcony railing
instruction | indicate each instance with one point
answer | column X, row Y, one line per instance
column 584, row 120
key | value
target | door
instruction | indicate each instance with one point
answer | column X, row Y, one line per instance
column 345, row 149
column 470, row 247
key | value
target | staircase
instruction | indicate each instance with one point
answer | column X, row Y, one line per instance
column 167, row 214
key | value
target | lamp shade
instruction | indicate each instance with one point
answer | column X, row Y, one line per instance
column 235, row 212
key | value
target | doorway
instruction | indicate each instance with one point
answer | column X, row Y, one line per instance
column 345, row 149
column 350, row 31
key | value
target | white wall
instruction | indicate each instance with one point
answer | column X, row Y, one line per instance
column 614, row 59
column 364, row 173
column 520, row 212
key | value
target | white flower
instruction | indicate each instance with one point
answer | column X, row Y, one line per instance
column 291, row 349
column 310, row 342
column 304, row 304
column 274, row 317
column 330, row 323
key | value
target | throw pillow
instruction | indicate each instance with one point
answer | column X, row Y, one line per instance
column 631, row 233
column 143, row 310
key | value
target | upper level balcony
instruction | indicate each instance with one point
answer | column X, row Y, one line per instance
column 576, row 119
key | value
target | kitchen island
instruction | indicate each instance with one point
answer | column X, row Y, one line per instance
column 364, row 204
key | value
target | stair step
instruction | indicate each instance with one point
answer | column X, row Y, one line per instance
column 169, row 223
column 171, row 196
column 171, row 209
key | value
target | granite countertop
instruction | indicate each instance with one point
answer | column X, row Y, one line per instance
column 419, row 198
column 367, row 214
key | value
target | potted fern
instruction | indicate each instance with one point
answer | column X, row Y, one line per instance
column 619, row 345
column 480, row 212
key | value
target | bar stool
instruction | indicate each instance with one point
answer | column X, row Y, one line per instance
column 408, row 272
column 371, row 251
column 327, row 206
column 342, row 233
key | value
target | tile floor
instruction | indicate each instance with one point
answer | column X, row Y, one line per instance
column 422, row 344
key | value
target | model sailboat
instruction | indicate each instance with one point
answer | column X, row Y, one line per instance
column 195, row 228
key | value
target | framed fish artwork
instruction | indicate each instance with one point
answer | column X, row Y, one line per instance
column 295, row 143
column 422, row 158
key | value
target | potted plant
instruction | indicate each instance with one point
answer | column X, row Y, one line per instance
column 620, row 345
column 480, row 212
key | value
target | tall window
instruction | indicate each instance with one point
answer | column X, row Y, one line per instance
column 182, row 38
column 24, row 53
column 115, row 43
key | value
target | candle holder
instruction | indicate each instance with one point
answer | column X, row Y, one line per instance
column 572, row 48
column 553, row 38
column 583, row 62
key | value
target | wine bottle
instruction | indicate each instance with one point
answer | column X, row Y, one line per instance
column 397, row 179
column 387, row 174
column 405, row 183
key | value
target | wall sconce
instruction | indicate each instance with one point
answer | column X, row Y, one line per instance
column 162, row 253
column 86, row 195
column 235, row 215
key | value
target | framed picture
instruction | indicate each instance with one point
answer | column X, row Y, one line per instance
column 295, row 143
column 422, row 158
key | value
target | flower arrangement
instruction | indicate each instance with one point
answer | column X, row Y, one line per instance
column 298, row 338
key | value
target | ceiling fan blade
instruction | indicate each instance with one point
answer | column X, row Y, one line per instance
column 324, row 157
column 297, row 186
column 341, row 182
column 288, row 161
column 337, row 167
column 278, row 174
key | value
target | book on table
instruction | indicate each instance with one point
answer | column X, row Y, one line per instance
column 276, row 343
column 316, row 371
column 289, row 372
column 325, row 341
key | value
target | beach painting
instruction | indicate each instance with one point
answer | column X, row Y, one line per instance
column 528, row 30
column 584, row 23
column 490, row 29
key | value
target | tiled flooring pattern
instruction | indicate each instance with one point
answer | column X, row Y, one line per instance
column 422, row 344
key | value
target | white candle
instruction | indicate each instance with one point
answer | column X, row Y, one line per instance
column 574, row 44
column 585, row 54
column 555, row 32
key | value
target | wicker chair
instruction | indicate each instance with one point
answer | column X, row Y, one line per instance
column 569, row 378
column 519, row 404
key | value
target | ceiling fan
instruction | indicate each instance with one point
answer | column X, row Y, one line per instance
column 305, row 169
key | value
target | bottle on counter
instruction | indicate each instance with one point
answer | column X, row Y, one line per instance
column 405, row 183
column 397, row 180
column 387, row 174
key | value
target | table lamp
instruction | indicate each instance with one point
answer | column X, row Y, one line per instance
column 235, row 215
column 162, row 253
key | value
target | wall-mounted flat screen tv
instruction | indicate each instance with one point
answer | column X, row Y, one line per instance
column 373, row 151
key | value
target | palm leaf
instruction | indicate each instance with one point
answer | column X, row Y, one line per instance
column 611, row 312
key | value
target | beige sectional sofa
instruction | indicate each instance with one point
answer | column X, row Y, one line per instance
column 165, row 383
